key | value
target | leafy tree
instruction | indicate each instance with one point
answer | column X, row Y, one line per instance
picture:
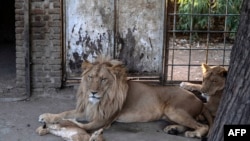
column 188, row 11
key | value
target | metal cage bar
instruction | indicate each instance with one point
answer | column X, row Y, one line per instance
column 185, row 53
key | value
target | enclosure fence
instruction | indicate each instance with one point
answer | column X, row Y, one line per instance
column 198, row 31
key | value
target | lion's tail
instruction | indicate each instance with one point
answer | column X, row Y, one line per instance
column 206, row 113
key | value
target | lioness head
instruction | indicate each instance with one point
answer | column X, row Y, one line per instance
column 213, row 79
column 104, row 85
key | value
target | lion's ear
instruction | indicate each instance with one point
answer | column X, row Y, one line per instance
column 85, row 65
column 117, row 67
column 204, row 67
column 223, row 73
column 118, row 70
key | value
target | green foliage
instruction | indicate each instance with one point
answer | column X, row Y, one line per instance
column 187, row 21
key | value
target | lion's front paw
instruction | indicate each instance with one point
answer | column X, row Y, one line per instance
column 174, row 129
column 198, row 133
column 97, row 135
column 186, row 85
column 49, row 118
column 42, row 131
column 171, row 131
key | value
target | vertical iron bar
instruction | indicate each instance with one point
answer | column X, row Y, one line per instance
column 208, row 34
column 225, row 32
column 174, row 38
column 165, row 40
column 190, row 38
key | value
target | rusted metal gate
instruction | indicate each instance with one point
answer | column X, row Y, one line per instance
column 129, row 30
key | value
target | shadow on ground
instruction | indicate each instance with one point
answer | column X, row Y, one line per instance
column 8, row 70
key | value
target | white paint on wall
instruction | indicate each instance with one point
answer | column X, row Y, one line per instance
column 90, row 30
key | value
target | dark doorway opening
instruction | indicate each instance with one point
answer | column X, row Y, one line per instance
column 7, row 48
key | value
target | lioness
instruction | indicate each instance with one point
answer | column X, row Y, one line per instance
column 69, row 131
column 212, row 86
column 105, row 95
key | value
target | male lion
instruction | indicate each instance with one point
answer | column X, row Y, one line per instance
column 69, row 131
column 212, row 86
column 105, row 95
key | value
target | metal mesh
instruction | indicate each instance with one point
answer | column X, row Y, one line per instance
column 187, row 48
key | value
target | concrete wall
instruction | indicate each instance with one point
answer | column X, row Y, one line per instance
column 140, row 30
column 46, row 45
column 89, row 31
column 129, row 30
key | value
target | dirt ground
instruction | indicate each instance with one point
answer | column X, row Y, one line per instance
column 19, row 120
column 182, row 53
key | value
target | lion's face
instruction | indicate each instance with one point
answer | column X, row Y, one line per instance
column 103, row 88
column 98, row 81
column 213, row 79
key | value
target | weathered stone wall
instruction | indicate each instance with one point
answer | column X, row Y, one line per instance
column 46, row 45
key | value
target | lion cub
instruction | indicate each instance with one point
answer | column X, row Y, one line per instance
column 69, row 132
column 212, row 86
